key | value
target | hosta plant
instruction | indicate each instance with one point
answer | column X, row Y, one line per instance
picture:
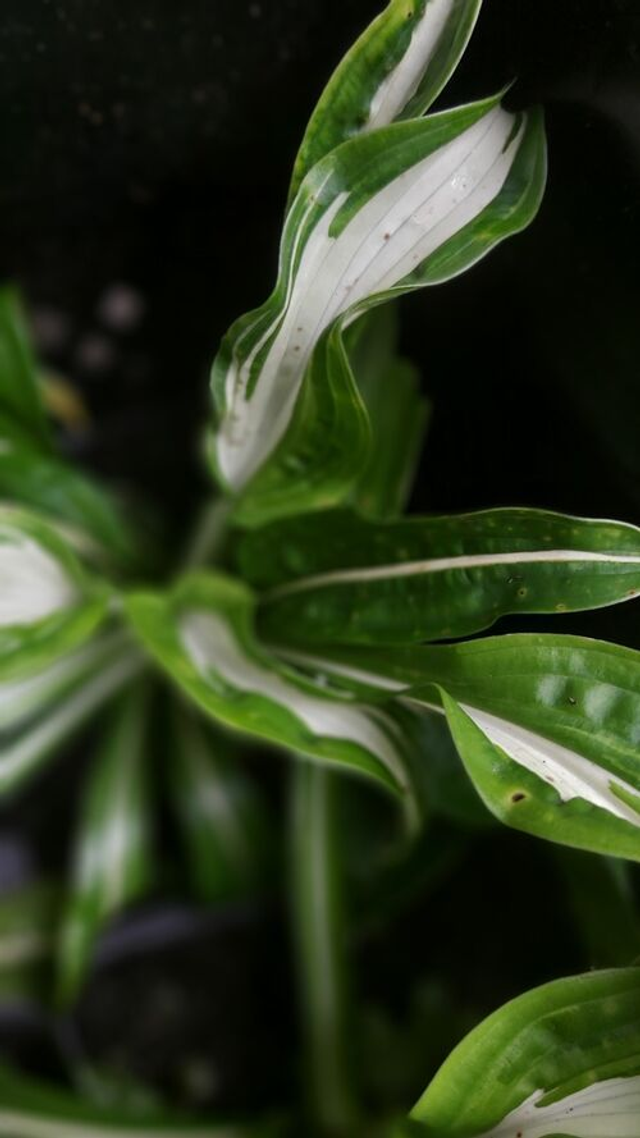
column 313, row 616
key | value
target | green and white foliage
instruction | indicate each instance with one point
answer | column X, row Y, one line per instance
column 203, row 636
column 31, row 1109
column 395, row 70
column 382, row 208
column 41, row 711
column 562, row 1061
column 340, row 578
column 548, row 727
column 112, row 861
column 223, row 820
column 48, row 602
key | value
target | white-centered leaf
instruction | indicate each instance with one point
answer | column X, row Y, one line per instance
column 203, row 636
column 548, row 727
column 112, row 858
column 610, row 1109
column 396, row 69
column 387, row 212
column 49, row 603
column 562, row 1060
column 33, row 583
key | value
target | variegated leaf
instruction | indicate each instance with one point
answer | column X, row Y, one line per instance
column 343, row 579
column 202, row 635
column 396, row 69
column 408, row 205
column 48, row 603
column 31, row 1109
column 40, row 712
column 548, row 727
column 112, row 856
column 562, row 1060
column 222, row 817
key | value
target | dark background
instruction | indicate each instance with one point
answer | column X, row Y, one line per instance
column 149, row 144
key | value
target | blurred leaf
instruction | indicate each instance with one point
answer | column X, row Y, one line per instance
column 398, row 413
column 41, row 712
column 202, row 635
column 93, row 517
column 396, row 69
column 393, row 210
column 344, row 579
column 48, row 602
column 562, row 1060
column 223, row 819
column 112, row 864
column 20, row 396
column 28, row 923
column 30, row 1109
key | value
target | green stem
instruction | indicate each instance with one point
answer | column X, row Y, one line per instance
column 318, row 920
column 208, row 535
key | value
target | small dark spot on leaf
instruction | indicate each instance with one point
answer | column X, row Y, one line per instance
column 522, row 592
column 519, row 796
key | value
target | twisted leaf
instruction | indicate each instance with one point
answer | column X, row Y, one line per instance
column 396, row 69
column 411, row 204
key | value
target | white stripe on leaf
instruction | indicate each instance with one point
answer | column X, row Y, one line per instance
column 387, row 239
column 571, row 774
column 609, row 1109
column 447, row 564
column 216, row 651
column 401, row 84
column 20, row 699
column 33, row 584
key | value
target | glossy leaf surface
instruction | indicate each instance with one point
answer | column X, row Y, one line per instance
column 548, row 727
column 342, row 578
column 562, row 1061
